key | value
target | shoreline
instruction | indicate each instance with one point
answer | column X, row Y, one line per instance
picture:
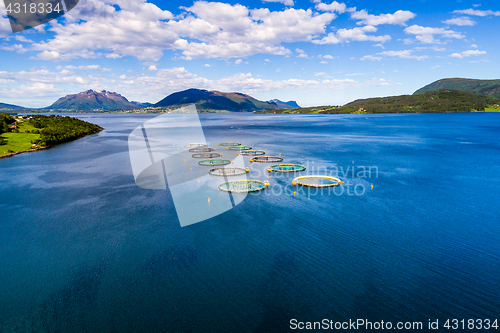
column 282, row 111
column 8, row 155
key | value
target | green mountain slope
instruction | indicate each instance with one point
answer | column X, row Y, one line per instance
column 432, row 101
column 482, row 87
column 91, row 100
column 215, row 100
column 6, row 107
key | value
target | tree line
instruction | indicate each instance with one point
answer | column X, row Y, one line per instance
column 58, row 129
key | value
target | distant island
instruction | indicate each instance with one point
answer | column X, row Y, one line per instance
column 35, row 132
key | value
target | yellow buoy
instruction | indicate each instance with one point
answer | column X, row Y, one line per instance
column 372, row 186
column 198, row 180
column 190, row 168
column 208, row 199
column 294, row 193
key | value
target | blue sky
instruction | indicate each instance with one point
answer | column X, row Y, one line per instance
column 314, row 52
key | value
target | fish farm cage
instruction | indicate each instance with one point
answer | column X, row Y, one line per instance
column 228, row 171
column 206, row 155
column 240, row 148
column 266, row 159
column 225, row 144
column 214, row 162
column 316, row 181
column 242, row 186
column 201, row 149
column 252, row 152
column 192, row 145
column 286, row 168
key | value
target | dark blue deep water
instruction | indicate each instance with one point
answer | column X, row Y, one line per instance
column 83, row 249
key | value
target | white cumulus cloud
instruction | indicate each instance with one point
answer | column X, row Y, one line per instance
column 399, row 17
column 467, row 53
column 333, row 7
column 460, row 21
column 355, row 34
column 404, row 54
column 426, row 34
column 477, row 12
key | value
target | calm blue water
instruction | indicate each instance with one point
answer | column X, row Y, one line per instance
column 83, row 249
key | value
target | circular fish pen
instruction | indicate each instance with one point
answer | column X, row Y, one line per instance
column 242, row 186
column 206, row 155
column 228, row 171
column 286, row 168
column 252, row 152
column 192, row 145
column 224, row 144
column 240, row 148
column 317, row 181
column 201, row 149
column 214, row 162
column 266, row 159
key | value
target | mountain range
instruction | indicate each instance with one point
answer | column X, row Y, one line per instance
column 215, row 100
column 91, row 100
column 205, row 100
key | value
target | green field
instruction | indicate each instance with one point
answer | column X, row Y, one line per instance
column 18, row 141
column 492, row 110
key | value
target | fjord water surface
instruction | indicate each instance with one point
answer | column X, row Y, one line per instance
column 83, row 249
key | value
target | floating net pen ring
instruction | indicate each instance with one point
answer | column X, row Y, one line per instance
column 192, row 145
column 201, row 149
column 242, row 186
column 206, row 155
column 240, row 148
column 301, row 181
column 228, row 171
column 252, row 152
column 266, row 159
column 230, row 144
column 215, row 162
column 286, row 168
